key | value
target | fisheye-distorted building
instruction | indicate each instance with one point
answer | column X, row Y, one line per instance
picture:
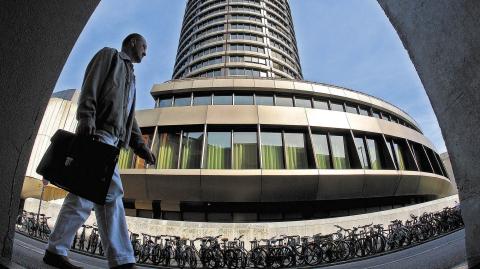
column 240, row 137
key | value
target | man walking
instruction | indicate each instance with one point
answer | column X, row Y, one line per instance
column 106, row 110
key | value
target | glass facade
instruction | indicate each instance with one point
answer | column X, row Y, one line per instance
column 169, row 145
column 265, row 100
column 322, row 153
column 202, row 100
column 303, row 102
column 218, row 150
column 362, row 152
column 245, row 150
column 279, row 149
column 283, row 101
column 191, row 153
column 272, row 150
column 243, row 99
column 221, row 99
column 295, row 151
column 340, row 152
column 374, row 153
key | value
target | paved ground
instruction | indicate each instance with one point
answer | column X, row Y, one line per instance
column 444, row 253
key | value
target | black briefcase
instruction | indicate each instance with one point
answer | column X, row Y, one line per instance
column 80, row 165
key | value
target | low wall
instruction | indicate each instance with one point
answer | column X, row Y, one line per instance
column 258, row 230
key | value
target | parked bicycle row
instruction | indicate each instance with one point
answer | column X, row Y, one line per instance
column 282, row 251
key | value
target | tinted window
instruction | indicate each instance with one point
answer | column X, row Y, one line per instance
column 283, row 101
column 339, row 152
column 320, row 104
column 182, row 101
column 264, row 100
column 243, row 99
column 245, row 154
column 165, row 102
column 303, row 102
column 218, row 150
column 336, row 106
column 322, row 155
column 272, row 150
column 222, row 99
column 202, row 100
column 296, row 153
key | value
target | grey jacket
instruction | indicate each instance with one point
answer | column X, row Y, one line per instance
column 104, row 96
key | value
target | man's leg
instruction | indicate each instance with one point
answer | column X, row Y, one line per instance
column 75, row 210
column 114, row 233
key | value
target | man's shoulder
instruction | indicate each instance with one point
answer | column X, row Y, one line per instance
column 107, row 50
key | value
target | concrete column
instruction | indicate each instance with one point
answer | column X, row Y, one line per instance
column 442, row 38
column 37, row 37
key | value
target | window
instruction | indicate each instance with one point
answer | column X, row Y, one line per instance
column 364, row 111
column 125, row 159
column 283, row 101
column 295, row 151
column 265, row 100
column 374, row 153
column 191, row 152
column 339, row 152
column 243, row 99
column 245, row 154
column 322, row 154
column 218, row 150
column 182, row 101
column 398, row 149
column 202, row 100
column 351, row 108
column 421, row 157
column 165, row 102
column 167, row 156
column 336, row 106
column 320, row 104
column 362, row 152
column 303, row 102
column 272, row 150
column 376, row 114
column 222, row 99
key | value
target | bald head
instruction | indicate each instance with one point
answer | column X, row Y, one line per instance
column 135, row 46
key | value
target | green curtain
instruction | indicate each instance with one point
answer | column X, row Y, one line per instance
column 323, row 161
column 168, row 151
column 296, row 158
column 245, row 156
column 125, row 159
column 374, row 154
column 218, row 157
column 401, row 162
column 272, row 157
column 340, row 163
column 191, row 149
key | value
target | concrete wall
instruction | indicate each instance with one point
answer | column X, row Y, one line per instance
column 37, row 38
column 257, row 230
column 442, row 38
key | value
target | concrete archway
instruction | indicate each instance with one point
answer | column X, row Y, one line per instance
column 36, row 41
column 443, row 41
column 441, row 37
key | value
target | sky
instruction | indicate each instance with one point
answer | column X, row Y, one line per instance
column 348, row 43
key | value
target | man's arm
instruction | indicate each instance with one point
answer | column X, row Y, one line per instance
column 138, row 144
column 95, row 75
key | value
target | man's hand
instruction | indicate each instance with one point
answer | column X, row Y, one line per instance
column 145, row 153
column 84, row 128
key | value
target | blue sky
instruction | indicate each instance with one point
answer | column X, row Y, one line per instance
column 348, row 43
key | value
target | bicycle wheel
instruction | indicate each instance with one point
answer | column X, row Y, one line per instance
column 230, row 259
column 313, row 254
column 287, row 257
column 167, row 254
column 363, row 247
column 378, row 243
column 342, row 250
column 191, row 258
column 31, row 227
column 328, row 251
column 155, row 257
column 94, row 243
column 241, row 258
column 258, row 258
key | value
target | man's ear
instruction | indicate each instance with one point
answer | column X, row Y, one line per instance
column 133, row 42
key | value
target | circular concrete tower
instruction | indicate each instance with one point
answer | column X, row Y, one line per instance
column 229, row 38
